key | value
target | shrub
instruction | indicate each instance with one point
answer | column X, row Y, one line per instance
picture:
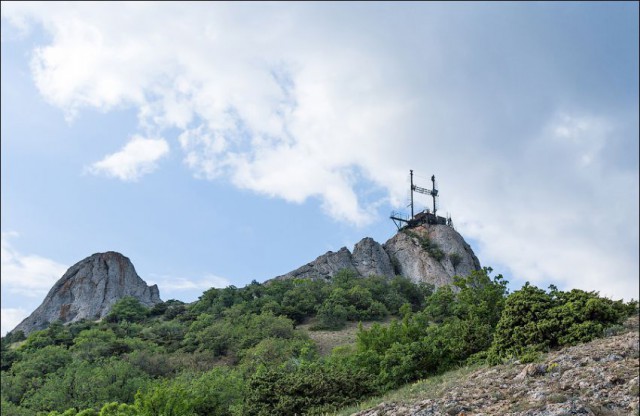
column 127, row 309
column 534, row 320
column 331, row 316
column 455, row 259
column 308, row 389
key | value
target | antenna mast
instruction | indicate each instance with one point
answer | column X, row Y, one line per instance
column 434, row 192
column 411, row 174
column 423, row 217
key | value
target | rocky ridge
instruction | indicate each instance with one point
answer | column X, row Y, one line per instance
column 88, row 290
column 428, row 253
column 596, row 378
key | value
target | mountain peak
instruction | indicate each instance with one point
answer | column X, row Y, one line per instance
column 89, row 289
column 431, row 253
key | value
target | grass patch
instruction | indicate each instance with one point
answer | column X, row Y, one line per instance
column 327, row 340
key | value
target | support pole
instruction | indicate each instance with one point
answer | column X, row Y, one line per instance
column 411, row 174
column 433, row 193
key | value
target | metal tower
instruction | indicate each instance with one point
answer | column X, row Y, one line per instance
column 433, row 192
column 400, row 220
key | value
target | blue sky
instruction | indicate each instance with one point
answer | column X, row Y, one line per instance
column 218, row 143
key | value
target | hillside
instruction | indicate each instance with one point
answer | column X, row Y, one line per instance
column 596, row 378
column 310, row 342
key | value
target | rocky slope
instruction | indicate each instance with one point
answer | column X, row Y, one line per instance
column 596, row 378
column 446, row 255
column 88, row 290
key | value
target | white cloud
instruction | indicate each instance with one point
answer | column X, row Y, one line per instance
column 137, row 158
column 10, row 318
column 28, row 275
column 173, row 283
column 299, row 102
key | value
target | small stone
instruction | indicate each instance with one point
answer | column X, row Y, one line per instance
column 531, row 370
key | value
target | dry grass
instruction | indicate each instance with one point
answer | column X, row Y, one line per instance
column 432, row 387
column 328, row 340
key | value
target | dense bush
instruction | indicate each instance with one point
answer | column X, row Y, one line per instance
column 127, row 309
column 536, row 320
column 313, row 388
column 452, row 327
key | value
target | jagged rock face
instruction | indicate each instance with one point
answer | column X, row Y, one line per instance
column 324, row 266
column 89, row 289
column 369, row 258
column 418, row 265
column 402, row 254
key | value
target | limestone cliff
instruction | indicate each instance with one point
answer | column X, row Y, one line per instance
column 88, row 290
column 429, row 253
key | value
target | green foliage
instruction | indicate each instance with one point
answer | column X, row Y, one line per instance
column 452, row 327
column 331, row 316
column 534, row 320
column 455, row 259
column 313, row 388
column 271, row 352
column 86, row 385
column 216, row 392
column 118, row 409
column 12, row 337
column 236, row 331
column 28, row 375
column 12, row 409
column 127, row 309
column 168, row 334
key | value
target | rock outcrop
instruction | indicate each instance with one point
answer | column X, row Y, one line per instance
column 324, row 266
column 428, row 253
column 88, row 290
column 431, row 253
column 370, row 258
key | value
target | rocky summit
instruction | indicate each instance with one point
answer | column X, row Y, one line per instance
column 88, row 290
column 431, row 253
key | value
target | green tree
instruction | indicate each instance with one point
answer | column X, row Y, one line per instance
column 127, row 309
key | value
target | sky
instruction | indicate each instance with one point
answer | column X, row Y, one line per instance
column 219, row 143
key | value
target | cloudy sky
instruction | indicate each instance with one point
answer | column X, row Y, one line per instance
column 218, row 143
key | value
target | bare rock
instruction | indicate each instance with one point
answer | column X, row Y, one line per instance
column 88, row 290
column 324, row 266
column 531, row 370
column 403, row 254
column 420, row 265
column 369, row 258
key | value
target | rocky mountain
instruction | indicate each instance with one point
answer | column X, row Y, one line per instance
column 596, row 378
column 89, row 289
column 431, row 253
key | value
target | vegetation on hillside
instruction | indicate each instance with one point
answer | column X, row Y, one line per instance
column 238, row 351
